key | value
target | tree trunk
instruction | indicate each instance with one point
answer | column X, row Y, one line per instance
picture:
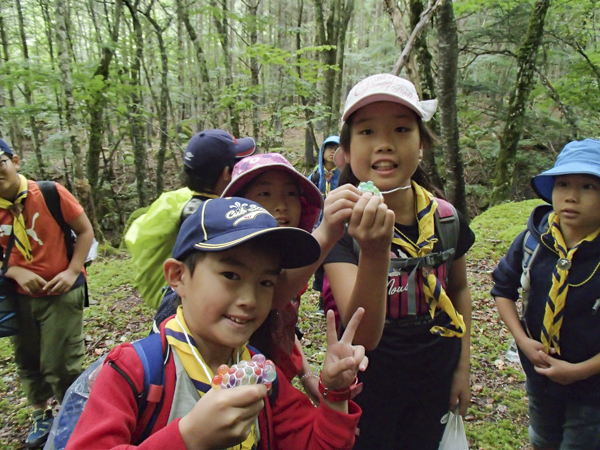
column 519, row 96
column 28, row 96
column 82, row 186
column 96, row 105
column 162, row 107
column 137, row 120
column 424, row 66
column 308, row 113
column 207, row 96
column 346, row 15
column 254, row 69
column 327, row 35
column 223, row 31
column 14, row 129
column 448, row 68
column 402, row 36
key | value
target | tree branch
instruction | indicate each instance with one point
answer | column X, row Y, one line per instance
column 425, row 17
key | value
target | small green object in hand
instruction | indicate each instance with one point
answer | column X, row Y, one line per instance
column 370, row 187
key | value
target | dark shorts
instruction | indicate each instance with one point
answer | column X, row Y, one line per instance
column 562, row 423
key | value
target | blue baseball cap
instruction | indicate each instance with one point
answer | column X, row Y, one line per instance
column 223, row 223
column 5, row 149
column 577, row 157
column 211, row 147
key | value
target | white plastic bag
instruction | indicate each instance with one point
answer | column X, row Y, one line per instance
column 454, row 437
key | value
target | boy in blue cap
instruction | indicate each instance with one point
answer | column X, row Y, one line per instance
column 226, row 261
column 559, row 335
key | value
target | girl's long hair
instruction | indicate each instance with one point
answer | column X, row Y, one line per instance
column 428, row 138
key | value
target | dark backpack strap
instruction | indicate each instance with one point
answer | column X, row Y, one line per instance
column 153, row 357
column 447, row 227
column 315, row 176
column 52, row 199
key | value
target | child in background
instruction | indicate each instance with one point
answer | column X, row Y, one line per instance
column 559, row 337
column 417, row 316
column 271, row 181
column 49, row 346
column 225, row 264
column 326, row 177
column 207, row 164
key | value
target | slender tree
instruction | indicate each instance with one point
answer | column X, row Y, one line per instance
column 448, row 68
column 518, row 98
column 82, row 185
column 135, row 106
column 35, row 131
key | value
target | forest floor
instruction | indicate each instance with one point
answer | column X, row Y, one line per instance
column 496, row 419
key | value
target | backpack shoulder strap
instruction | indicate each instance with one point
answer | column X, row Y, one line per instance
column 530, row 250
column 52, row 199
column 153, row 356
column 314, row 177
column 447, row 225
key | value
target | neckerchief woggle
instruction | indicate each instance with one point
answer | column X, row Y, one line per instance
column 197, row 369
column 328, row 175
column 555, row 303
column 19, row 227
column 425, row 207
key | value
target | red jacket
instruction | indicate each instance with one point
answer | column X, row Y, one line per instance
column 109, row 420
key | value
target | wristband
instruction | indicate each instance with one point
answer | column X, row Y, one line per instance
column 340, row 395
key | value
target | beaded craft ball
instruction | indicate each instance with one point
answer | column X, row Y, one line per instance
column 370, row 187
column 258, row 370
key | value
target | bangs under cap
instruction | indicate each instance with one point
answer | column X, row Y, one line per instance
column 5, row 149
column 223, row 223
column 388, row 88
column 249, row 168
column 210, row 147
column 577, row 157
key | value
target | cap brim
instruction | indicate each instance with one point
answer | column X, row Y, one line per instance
column 309, row 191
column 425, row 111
column 245, row 147
column 543, row 183
column 297, row 247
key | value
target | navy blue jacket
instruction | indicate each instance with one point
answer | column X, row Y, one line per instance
column 580, row 331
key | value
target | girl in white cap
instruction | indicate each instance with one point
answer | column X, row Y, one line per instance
column 417, row 305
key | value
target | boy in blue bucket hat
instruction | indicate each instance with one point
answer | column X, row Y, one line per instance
column 226, row 262
column 559, row 334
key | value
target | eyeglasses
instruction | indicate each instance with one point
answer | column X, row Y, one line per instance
column 3, row 164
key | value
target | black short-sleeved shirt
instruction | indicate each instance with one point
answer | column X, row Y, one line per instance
column 397, row 302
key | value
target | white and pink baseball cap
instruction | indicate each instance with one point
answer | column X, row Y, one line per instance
column 386, row 87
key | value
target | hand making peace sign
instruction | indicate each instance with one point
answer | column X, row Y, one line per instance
column 343, row 360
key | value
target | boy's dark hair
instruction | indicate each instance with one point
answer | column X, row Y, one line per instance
column 206, row 180
column 192, row 260
column 428, row 138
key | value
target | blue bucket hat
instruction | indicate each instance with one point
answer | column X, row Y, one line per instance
column 5, row 149
column 578, row 157
column 223, row 223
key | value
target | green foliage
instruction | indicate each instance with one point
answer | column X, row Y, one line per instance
column 497, row 227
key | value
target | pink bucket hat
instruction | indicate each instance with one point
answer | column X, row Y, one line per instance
column 251, row 167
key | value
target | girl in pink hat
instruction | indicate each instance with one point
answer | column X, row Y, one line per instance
column 271, row 181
